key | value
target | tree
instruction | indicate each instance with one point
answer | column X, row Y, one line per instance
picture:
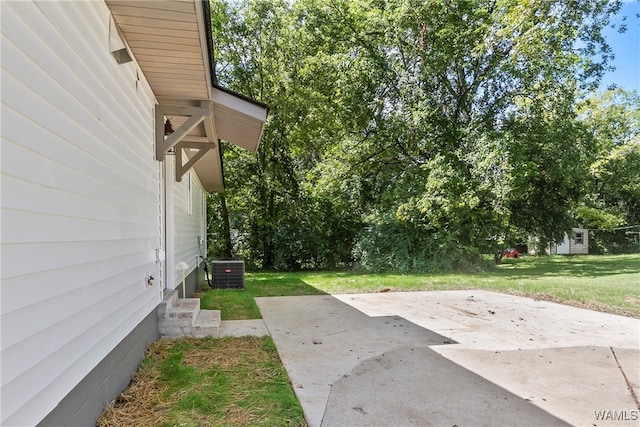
column 278, row 218
column 408, row 133
column 468, row 100
column 612, row 198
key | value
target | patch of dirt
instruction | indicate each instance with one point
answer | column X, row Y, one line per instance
column 465, row 312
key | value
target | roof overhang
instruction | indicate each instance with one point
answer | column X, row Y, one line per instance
column 237, row 119
column 171, row 42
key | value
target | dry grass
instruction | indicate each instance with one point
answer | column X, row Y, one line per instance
column 228, row 354
column 143, row 403
column 207, row 382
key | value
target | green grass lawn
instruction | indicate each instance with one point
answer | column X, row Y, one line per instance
column 608, row 283
column 208, row 382
column 239, row 304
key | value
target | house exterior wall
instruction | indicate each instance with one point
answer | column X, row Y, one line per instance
column 189, row 233
column 81, row 210
column 188, row 228
column 86, row 402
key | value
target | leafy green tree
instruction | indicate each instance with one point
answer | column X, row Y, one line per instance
column 613, row 121
column 277, row 217
column 406, row 134
column 612, row 199
column 472, row 138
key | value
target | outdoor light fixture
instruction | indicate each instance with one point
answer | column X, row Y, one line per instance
column 168, row 129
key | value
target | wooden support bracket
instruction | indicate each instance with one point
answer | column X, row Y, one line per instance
column 180, row 139
column 202, row 147
column 195, row 114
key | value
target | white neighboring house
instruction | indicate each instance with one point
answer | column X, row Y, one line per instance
column 97, row 205
column 577, row 244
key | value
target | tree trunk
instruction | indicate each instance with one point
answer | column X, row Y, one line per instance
column 226, row 228
column 269, row 249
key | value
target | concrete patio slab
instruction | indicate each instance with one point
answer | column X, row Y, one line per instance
column 571, row 383
column 419, row 387
column 487, row 320
column 557, row 359
column 319, row 339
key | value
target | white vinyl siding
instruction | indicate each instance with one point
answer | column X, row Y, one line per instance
column 188, row 229
column 189, row 195
column 80, row 201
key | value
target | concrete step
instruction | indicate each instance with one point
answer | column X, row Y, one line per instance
column 184, row 311
column 169, row 298
column 174, row 331
column 207, row 324
column 182, row 317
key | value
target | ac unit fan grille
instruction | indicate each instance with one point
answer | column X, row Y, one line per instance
column 228, row 274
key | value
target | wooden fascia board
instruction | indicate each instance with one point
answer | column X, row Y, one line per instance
column 239, row 104
column 209, row 123
column 202, row 30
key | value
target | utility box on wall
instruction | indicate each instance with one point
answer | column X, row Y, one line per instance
column 228, row 274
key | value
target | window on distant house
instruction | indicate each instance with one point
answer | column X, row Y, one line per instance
column 579, row 238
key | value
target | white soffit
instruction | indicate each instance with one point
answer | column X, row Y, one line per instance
column 238, row 120
column 169, row 42
column 209, row 171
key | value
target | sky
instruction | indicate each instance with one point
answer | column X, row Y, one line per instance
column 626, row 47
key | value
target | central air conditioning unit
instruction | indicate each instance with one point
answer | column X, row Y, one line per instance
column 228, row 274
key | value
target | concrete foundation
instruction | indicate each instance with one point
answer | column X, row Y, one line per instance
column 86, row 402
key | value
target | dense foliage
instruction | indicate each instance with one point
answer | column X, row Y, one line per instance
column 411, row 135
column 611, row 203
